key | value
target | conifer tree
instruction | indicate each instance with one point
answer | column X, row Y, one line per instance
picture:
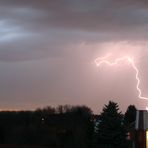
column 110, row 129
column 130, row 115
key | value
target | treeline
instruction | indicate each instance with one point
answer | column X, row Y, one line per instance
column 67, row 127
column 114, row 129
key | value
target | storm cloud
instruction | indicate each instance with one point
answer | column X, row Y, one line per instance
column 48, row 47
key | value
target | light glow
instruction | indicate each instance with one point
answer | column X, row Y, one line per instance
column 104, row 60
column 147, row 139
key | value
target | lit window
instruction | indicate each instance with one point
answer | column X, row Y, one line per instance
column 147, row 139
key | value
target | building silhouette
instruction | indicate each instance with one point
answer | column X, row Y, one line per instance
column 141, row 130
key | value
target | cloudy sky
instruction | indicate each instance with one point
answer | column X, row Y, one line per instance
column 48, row 48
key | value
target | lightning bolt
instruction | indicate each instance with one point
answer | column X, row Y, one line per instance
column 104, row 60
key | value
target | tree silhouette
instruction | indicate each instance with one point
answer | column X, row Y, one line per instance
column 129, row 121
column 130, row 115
column 110, row 129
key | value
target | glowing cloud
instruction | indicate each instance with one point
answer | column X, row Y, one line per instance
column 104, row 60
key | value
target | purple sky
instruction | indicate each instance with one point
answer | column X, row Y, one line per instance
column 48, row 47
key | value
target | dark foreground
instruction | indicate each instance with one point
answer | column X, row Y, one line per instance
column 67, row 127
column 18, row 146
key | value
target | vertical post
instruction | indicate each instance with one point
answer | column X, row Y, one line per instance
column 141, row 133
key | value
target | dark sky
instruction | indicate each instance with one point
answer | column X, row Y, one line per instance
column 48, row 47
